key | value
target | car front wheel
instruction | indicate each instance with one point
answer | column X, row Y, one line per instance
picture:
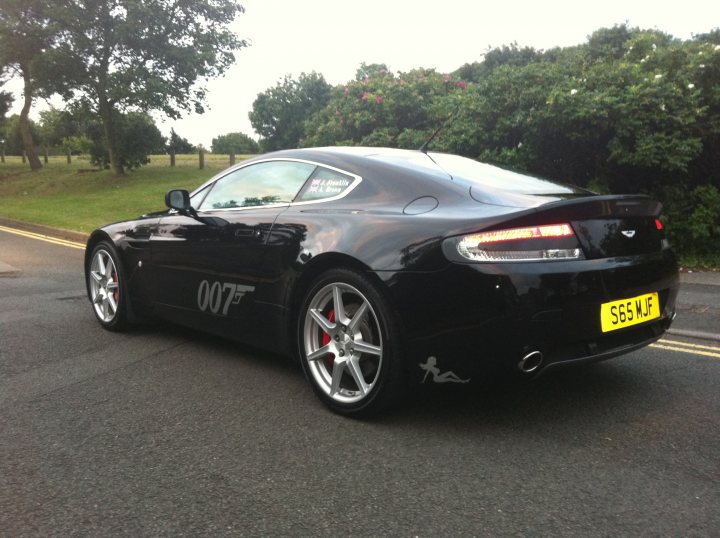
column 106, row 287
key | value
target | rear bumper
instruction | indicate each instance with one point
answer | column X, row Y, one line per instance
column 606, row 347
column 479, row 317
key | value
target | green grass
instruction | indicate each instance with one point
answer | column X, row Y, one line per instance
column 79, row 197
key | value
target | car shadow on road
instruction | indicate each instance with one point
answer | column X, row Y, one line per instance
column 578, row 393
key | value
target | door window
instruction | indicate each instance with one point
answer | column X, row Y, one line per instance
column 267, row 183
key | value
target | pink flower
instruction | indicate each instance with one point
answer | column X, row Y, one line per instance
column 347, row 90
column 447, row 78
column 364, row 97
column 379, row 100
column 421, row 78
column 462, row 84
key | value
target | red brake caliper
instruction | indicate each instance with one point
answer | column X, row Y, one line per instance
column 326, row 336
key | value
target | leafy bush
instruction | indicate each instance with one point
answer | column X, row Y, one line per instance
column 381, row 108
column 237, row 143
column 693, row 223
column 136, row 138
column 179, row 145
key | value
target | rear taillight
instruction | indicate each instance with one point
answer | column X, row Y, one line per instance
column 533, row 243
column 664, row 243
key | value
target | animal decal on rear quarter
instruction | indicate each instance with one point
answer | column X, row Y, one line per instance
column 445, row 377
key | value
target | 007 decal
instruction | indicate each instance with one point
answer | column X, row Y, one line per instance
column 218, row 296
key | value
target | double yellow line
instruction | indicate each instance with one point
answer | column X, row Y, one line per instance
column 684, row 347
column 46, row 238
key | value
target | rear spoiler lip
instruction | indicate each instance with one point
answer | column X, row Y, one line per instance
column 563, row 211
column 590, row 207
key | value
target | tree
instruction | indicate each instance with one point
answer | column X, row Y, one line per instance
column 25, row 35
column 12, row 134
column 6, row 100
column 119, row 56
column 237, row 143
column 279, row 113
column 179, row 145
column 56, row 125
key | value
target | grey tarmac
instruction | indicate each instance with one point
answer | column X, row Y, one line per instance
column 167, row 432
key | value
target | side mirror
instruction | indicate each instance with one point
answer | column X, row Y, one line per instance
column 178, row 199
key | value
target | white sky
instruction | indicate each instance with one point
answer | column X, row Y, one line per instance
column 334, row 37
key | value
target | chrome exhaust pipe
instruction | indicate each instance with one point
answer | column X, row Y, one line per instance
column 530, row 362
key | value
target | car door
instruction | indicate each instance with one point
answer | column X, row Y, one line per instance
column 212, row 269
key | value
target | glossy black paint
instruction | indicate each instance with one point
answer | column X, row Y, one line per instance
column 399, row 225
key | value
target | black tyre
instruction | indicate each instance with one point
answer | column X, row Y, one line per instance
column 349, row 344
column 107, row 287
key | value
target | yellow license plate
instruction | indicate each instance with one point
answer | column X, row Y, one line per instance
column 627, row 312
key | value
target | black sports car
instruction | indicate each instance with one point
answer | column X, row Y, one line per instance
column 381, row 268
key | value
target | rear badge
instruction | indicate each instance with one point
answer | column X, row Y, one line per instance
column 445, row 377
column 628, row 233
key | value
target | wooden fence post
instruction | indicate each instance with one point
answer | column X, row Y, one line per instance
column 202, row 159
column 23, row 157
column 69, row 157
column 232, row 158
column 2, row 156
column 172, row 158
column 46, row 154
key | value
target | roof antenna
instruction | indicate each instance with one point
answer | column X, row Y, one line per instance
column 424, row 147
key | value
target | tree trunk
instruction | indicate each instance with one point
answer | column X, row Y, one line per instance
column 24, row 123
column 106, row 115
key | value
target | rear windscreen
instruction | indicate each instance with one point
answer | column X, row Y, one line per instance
column 485, row 175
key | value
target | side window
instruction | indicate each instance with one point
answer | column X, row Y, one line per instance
column 324, row 183
column 259, row 184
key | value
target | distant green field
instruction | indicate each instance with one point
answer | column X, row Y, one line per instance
column 79, row 197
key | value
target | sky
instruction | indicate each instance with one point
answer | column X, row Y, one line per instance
column 289, row 37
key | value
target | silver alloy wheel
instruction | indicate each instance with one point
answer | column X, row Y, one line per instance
column 343, row 343
column 104, row 286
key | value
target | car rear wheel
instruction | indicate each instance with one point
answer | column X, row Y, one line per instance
column 349, row 344
column 106, row 287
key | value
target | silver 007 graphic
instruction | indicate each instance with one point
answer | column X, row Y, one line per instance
column 218, row 296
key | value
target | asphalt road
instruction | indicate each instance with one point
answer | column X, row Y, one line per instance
column 162, row 432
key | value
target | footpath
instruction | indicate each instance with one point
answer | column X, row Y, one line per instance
column 698, row 304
